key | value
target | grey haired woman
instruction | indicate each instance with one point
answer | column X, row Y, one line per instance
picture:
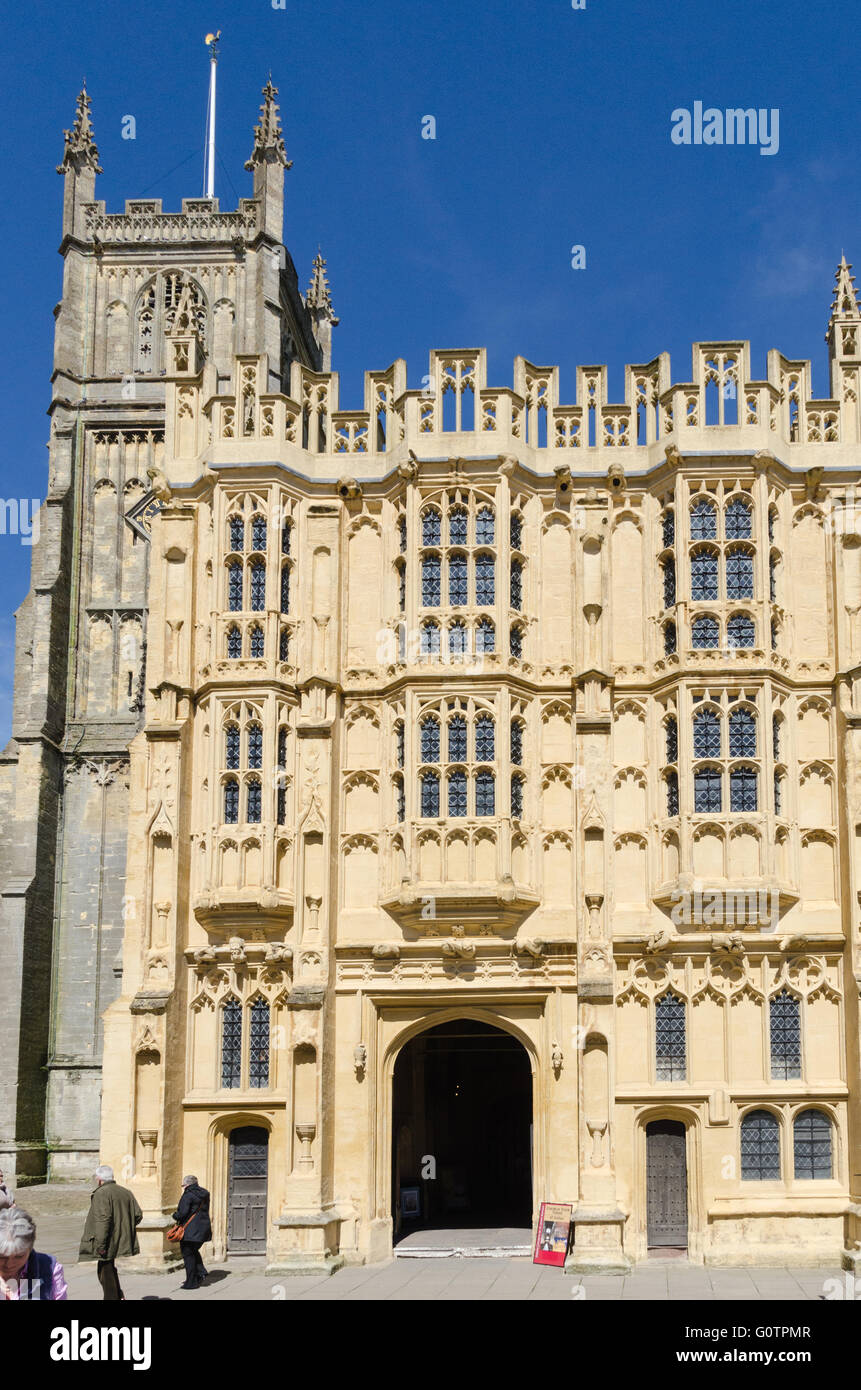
column 24, row 1271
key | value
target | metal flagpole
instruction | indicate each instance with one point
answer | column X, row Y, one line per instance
column 211, row 41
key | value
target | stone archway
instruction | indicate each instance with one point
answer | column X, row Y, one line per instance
column 461, row 1129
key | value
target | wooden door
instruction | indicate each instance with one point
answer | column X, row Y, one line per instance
column 666, row 1185
column 247, row 1185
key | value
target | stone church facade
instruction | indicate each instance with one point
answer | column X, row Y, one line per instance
column 420, row 812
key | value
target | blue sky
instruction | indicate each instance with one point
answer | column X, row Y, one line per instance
column 553, row 129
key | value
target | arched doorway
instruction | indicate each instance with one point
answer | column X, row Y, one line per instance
column 247, row 1184
column 461, row 1129
column 666, row 1185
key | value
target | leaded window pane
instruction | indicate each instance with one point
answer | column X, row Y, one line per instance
column 431, row 588
column 254, row 802
column 516, row 586
column 742, row 789
column 672, row 732
column 785, row 1028
column 257, row 644
column 485, row 636
column 706, row 734
column 282, row 747
column 237, row 533
column 430, row 740
column 669, row 638
column 485, row 527
column 668, row 529
column 231, row 802
column 515, row 642
column 431, row 528
column 703, row 521
column 517, row 797
column 778, row 794
column 772, row 580
column 707, row 790
column 760, row 1146
column 737, row 520
column 517, row 744
column 670, row 1038
column 515, row 526
column 234, row 587
column 669, row 569
column 771, row 519
column 485, row 794
column 775, row 737
column 430, row 640
column 402, row 587
column 400, row 801
column 284, row 644
column 457, row 739
column 705, row 633
column 672, row 794
column 457, row 639
column 457, row 794
column 457, row 580
column 485, row 739
column 742, row 734
column 704, row 576
column 231, row 1045
column 234, row 643
column 285, row 538
column 281, row 811
column 255, row 746
column 740, row 631
column 739, row 575
column 258, row 588
column 258, row 533
column 457, row 521
column 399, row 745
column 430, row 794
column 231, row 749
column 258, row 1038
column 402, row 531
column 485, row 587
column 811, row 1135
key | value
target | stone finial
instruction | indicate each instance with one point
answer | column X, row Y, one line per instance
column 268, row 137
column 845, row 303
column 319, row 296
column 80, row 149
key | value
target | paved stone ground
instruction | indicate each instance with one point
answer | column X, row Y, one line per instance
column 59, row 1213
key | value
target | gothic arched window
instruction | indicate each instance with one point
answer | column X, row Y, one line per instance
column 457, row 523
column 457, row 581
column 739, row 574
column 258, row 1045
column 742, row 734
column 669, row 638
column 515, row 531
column 811, row 1135
column 485, row 739
column 234, row 587
column 430, row 740
column 515, row 642
column 457, row 793
column 457, row 639
column 485, row 528
column 431, row 528
column 516, row 743
column 743, row 789
column 517, row 796
column 703, row 520
column 707, row 789
column 740, row 631
column 669, row 571
column 457, row 739
column 430, row 794
column 706, row 734
column 704, row 575
column 254, row 802
column 258, row 588
column 670, row 1038
column 231, row 748
column 284, row 644
column 258, row 533
column 784, row 1017
column 485, row 586
column 231, row 1044
column 705, row 633
column 285, row 589
column 737, row 520
column 236, row 538
column 760, row 1146
column 231, row 801
column 430, row 639
column 672, row 783
column 234, row 643
column 668, row 529
column 485, row 794
column 671, row 729
column 485, row 636
column 516, row 586
column 256, row 643
column 255, row 746
column 431, row 590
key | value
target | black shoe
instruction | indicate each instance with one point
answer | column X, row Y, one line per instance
column 189, row 1286
column 204, row 1274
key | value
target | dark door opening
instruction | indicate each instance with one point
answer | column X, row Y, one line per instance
column 462, row 1120
column 666, row 1185
column 248, row 1175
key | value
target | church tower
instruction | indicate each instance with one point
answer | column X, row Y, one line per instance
column 138, row 286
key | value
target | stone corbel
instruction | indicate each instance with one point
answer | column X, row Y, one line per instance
column 556, row 1059
column 360, row 1060
column 597, row 1129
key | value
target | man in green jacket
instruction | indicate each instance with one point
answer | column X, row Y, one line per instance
column 110, row 1230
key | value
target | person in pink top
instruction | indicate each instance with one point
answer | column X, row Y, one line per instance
column 24, row 1271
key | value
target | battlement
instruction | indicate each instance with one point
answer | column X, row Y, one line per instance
column 144, row 222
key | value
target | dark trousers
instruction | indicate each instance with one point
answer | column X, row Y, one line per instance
column 110, row 1281
column 190, row 1251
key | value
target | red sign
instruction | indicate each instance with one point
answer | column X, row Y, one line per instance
column 554, row 1227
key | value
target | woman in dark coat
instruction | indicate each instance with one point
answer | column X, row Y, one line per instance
column 193, row 1203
